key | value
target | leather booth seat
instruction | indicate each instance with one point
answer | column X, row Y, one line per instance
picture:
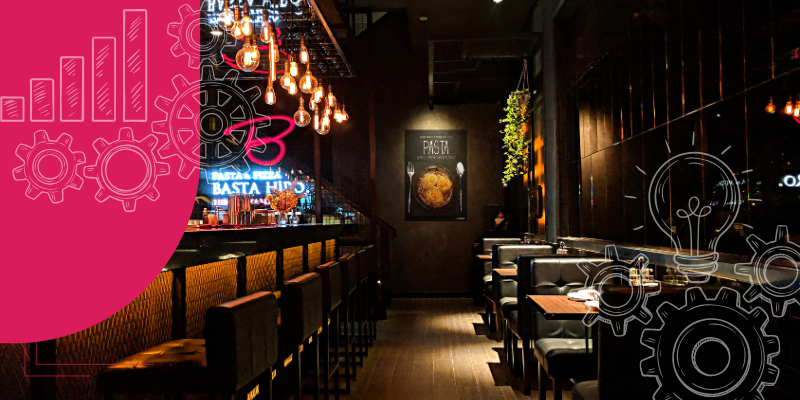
column 586, row 390
column 241, row 344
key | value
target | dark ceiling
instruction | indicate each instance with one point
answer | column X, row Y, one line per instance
column 474, row 52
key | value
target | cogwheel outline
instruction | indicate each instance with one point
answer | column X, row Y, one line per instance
column 720, row 320
column 757, row 270
column 38, row 182
column 188, row 109
column 618, row 316
column 145, row 150
column 201, row 50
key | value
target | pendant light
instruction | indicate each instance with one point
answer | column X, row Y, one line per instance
column 312, row 105
column 327, row 111
column 308, row 84
column 771, row 107
column 316, row 119
column 330, row 100
column 226, row 19
column 246, row 22
column 797, row 109
column 303, row 51
column 273, row 55
column 237, row 27
column 293, row 87
column 286, row 79
column 789, row 108
column 345, row 117
column 293, row 70
column 248, row 58
column 319, row 93
column 269, row 96
column 302, row 118
column 324, row 125
column 266, row 30
column 337, row 114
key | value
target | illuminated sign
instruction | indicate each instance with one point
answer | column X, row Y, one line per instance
column 255, row 183
column 790, row 181
column 255, row 11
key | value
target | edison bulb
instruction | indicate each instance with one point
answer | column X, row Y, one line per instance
column 302, row 118
column 303, row 52
column 308, row 83
column 293, row 87
column 237, row 31
column 270, row 97
column 330, row 99
column 337, row 115
column 789, row 108
column 316, row 119
column 327, row 111
column 312, row 105
column 345, row 117
column 247, row 58
column 225, row 19
column 286, row 79
column 266, row 32
column 324, row 125
column 319, row 94
column 293, row 68
column 247, row 25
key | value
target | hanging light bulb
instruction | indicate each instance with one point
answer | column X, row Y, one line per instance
column 293, row 70
column 302, row 118
column 345, row 117
column 337, row 114
column 303, row 51
column 273, row 55
column 236, row 31
column 226, row 19
column 789, row 108
column 293, row 87
column 319, row 93
column 331, row 99
column 771, row 106
column 246, row 22
column 266, row 29
column 270, row 97
column 316, row 119
column 247, row 59
column 324, row 125
column 308, row 83
column 286, row 79
column 797, row 109
column 311, row 104
column 327, row 111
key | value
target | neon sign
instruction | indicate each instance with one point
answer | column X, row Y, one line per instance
column 276, row 140
column 229, row 182
column 790, row 181
column 256, row 11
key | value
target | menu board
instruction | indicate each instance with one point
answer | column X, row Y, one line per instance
column 436, row 175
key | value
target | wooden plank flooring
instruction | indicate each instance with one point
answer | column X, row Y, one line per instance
column 436, row 349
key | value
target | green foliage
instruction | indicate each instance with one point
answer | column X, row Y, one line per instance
column 516, row 149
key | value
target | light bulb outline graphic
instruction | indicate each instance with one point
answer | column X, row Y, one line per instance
column 696, row 266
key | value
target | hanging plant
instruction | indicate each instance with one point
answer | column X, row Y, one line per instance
column 516, row 148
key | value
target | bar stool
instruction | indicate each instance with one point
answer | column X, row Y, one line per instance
column 331, row 274
column 362, row 294
column 372, row 253
column 235, row 358
column 349, row 274
column 301, row 324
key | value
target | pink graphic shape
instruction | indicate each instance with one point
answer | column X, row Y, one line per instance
column 101, row 171
column 72, row 89
column 254, row 143
column 134, row 61
column 12, row 109
column 42, row 100
column 104, row 79
column 41, row 181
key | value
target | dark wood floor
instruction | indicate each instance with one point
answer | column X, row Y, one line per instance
column 436, row 349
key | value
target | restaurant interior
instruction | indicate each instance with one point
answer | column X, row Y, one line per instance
column 416, row 199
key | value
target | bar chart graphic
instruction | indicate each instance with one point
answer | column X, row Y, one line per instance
column 66, row 97
column 104, row 79
column 42, row 95
column 71, row 92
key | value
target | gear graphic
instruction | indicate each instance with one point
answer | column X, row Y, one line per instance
column 768, row 283
column 203, row 110
column 126, row 143
column 618, row 315
column 31, row 169
column 195, row 36
column 710, row 348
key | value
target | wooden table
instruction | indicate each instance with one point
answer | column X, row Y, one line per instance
column 557, row 307
column 484, row 257
column 506, row 272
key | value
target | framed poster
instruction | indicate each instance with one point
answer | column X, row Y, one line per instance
column 436, row 175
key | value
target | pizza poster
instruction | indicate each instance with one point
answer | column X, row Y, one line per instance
column 436, row 175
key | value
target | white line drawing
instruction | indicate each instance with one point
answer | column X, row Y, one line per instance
column 12, row 109
column 766, row 283
column 104, row 79
column 710, row 348
column 187, row 119
column 125, row 143
column 71, row 95
column 40, row 181
column 689, row 212
column 618, row 315
column 188, row 33
column 42, row 100
column 134, row 65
